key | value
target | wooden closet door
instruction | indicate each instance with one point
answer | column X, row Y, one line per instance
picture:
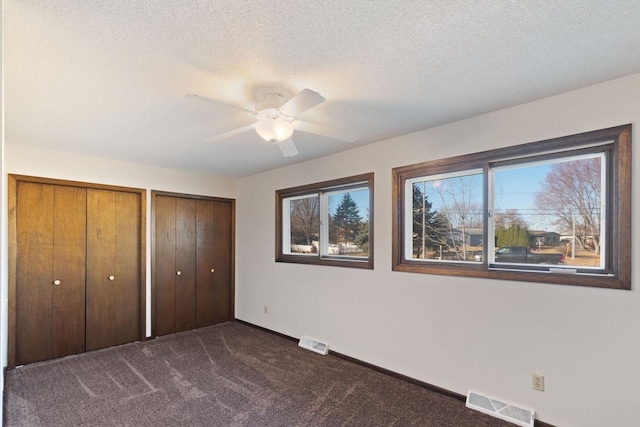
column 193, row 256
column 127, row 269
column 69, row 266
column 175, row 266
column 213, row 255
column 50, row 230
column 205, row 263
column 164, row 298
column 113, row 257
column 222, row 260
column 185, row 264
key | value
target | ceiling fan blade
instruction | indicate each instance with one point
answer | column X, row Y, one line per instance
column 287, row 147
column 229, row 134
column 215, row 101
column 331, row 132
column 301, row 102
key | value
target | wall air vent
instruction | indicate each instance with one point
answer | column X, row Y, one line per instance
column 314, row 345
column 500, row 409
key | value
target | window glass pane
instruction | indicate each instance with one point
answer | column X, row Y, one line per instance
column 348, row 231
column 304, row 221
column 447, row 217
column 550, row 212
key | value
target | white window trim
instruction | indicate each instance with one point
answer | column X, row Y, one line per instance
column 603, row 191
column 286, row 224
column 408, row 209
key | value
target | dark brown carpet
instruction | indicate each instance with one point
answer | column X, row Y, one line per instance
column 225, row 375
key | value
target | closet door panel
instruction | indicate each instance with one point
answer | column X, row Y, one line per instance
column 203, row 244
column 50, row 271
column 205, row 265
column 34, row 273
column 69, row 266
column 113, row 273
column 185, row 264
column 126, row 284
column 222, row 294
column 165, row 264
column 101, row 247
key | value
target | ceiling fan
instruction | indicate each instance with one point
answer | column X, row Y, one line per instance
column 276, row 120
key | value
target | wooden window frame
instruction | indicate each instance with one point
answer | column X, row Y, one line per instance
column 317, row 188
column 616, row 139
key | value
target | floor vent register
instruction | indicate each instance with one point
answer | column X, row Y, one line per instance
column 498, row 408
column 314, row 345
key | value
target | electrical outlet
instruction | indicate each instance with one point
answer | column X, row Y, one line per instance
column 265, row 309
column 537, row 382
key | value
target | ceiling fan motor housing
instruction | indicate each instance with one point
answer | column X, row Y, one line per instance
column 270, row 103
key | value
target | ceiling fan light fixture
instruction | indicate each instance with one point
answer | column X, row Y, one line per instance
column 276, row 121
column 274, row 129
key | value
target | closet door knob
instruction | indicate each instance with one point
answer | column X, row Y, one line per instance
column 56, row 282
column 111, row 277
column 178, row 273
column 213, row 270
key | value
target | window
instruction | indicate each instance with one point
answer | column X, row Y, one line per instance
column 446, row 211
column 555, row 211
column 328, row 223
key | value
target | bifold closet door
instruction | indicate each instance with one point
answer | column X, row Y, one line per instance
column 223, row 295
column 185, row 276
column 113, row 272
column 192, row 255
column 175, row 264
column 164, row 299
column 50, row 271
column 213, row 261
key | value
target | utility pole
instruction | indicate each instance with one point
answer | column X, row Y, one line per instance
column 424, row 198
column 573, row 239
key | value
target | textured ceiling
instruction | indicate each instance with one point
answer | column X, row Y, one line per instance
column 109, row 77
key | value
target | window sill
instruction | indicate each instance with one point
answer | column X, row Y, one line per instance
column 481, row 271
column 330, row 261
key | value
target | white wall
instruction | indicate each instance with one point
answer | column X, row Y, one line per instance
column 455, row 332
column 3, row 221
column 34, row 161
